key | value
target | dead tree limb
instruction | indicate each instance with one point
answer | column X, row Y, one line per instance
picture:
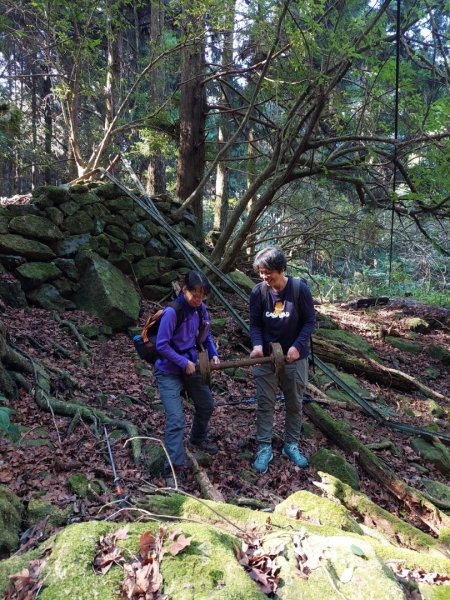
column 208, row 490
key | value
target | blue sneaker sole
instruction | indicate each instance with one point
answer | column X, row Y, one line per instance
column 266, row 469
column 305, row 466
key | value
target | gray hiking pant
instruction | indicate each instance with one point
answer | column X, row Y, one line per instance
column 292, row 383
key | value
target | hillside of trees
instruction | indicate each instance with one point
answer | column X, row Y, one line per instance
column 320, row 127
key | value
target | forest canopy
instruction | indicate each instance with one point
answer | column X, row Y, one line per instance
column 318, row 126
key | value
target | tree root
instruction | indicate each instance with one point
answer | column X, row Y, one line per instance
column 74, row 330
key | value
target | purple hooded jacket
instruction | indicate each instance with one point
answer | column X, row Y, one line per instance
column 177, row 349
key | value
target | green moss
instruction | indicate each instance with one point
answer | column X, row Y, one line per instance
column 335, row 464
column 348, row 338
column 82, row 486
column 404, row 345
column 10, row 520
column 318, row 510
column 40, row 509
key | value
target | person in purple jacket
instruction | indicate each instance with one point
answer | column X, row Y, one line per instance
column 281, row 310
column 175, row 370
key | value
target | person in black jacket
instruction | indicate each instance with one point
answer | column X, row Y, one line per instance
column 281, row 310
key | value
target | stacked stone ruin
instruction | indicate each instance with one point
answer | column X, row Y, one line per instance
column 90, row 247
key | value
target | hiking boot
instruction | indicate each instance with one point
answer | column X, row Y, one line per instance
column 206, row 447
column 263, row 458
column 292, row 451
column 180, row 473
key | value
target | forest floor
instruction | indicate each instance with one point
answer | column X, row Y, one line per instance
column 115, row 381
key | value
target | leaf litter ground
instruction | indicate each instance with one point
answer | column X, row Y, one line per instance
column 113, row 379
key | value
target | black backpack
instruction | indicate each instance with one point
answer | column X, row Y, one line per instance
column 145, row 343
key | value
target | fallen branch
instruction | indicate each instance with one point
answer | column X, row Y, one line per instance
column 208, row 490
column 322, row 398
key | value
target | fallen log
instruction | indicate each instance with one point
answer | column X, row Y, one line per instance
column 371, row 370
column 435, row 520
column 394, row 529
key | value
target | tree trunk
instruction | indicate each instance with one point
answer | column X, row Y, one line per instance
column 156, row 171
column 224, row 129
column 191, row 159
column 48, row 127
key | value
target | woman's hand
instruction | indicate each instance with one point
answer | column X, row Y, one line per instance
column 215, row 360
column 292, row 354
column 190, row 368
column 257, row 352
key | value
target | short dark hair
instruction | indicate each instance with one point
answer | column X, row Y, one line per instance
column 197, row 279
column 270, row 258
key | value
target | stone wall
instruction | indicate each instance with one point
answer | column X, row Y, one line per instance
column 72, row 247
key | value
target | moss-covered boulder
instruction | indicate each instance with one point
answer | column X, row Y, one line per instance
column 155, row 292
column 31, row 249
column 242, row 280
column 438, row 490
column 33, row 274
column 35, row 227
column 335, row 464
column 435, row 453
column 440, row 353
column 80, row 485
column 105, row 292
column 48, row 296
column 11, row 292
column 42, row 509
column 416, row 324
column 10, row 521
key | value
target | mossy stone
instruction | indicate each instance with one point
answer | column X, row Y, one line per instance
column 404, row 345
column 218, row 325
column 335, row 464
column 69, row 208
column 435, row 453
column 33, row 274
column 31, row 249
column 416, row 324
column 438, row 490
column 79, row 224
column 40, row 509
column 439, row 353
column 10, row 521
column 155, row 292
column 116, row 232
column 80, row 485
column 35, row 227
column 139, row 233
column 436, row 409
column 242, row 280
